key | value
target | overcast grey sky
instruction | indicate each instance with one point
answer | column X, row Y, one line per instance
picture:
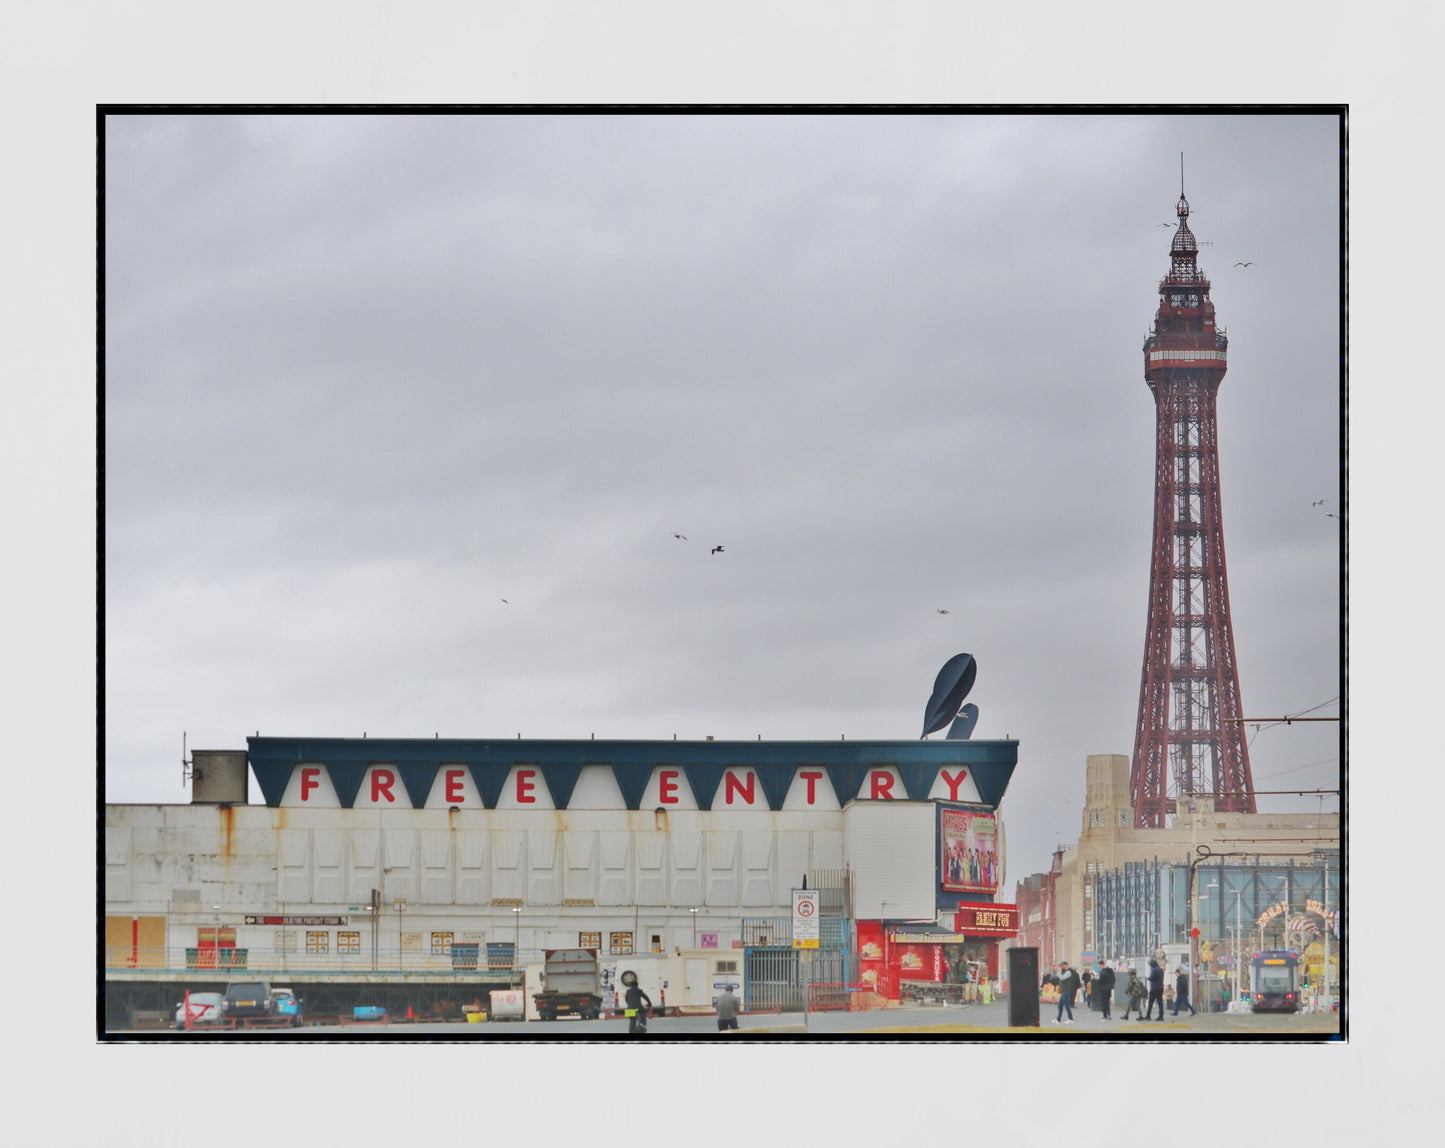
column 368, row 376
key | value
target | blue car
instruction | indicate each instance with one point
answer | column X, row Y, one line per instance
column 288, row 1004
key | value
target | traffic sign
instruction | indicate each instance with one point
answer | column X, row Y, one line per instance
column 806, row 932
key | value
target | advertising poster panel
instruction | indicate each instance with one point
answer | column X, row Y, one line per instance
column 968, row 858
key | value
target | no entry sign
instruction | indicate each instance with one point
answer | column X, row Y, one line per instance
column 805, row 919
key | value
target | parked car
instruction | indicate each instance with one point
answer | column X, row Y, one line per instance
column 248, row 999
column 205, row 1009
column 287, row 1004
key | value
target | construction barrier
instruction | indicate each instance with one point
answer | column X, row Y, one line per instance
column 839, row 996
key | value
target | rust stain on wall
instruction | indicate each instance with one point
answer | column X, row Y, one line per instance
column 228, row 825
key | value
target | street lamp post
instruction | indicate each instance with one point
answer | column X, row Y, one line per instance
column 1236, row 945
column 516, row 937
column 400, row 907
column 1205, row 897
column 694, row 927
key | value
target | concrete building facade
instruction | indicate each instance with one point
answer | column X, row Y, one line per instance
column 372, row 856
column 1109, row 843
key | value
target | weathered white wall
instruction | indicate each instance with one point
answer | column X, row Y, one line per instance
column 570, row 871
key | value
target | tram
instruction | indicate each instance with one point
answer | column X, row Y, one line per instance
column 1274, row 981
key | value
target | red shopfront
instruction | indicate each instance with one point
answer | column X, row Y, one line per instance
column 890, row 954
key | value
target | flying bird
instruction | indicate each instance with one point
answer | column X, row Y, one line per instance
column 1336, row 517
column 1166, row 225
column 506, row 602
column 1249, row 264
column 1321, row 502
column 717, row 549
column 940, row 611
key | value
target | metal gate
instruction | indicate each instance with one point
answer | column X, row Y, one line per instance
column 777, row 978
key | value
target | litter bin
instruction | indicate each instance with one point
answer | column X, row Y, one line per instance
column 1023, row 988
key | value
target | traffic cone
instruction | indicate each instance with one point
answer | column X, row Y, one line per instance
column 408, row 1013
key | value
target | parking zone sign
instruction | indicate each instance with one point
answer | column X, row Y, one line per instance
column 805, row 919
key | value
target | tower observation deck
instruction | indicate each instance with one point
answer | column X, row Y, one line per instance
column 1185, row 741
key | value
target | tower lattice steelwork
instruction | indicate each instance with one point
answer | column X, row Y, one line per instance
column 1185, row 741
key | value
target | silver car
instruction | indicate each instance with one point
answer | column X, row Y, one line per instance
column 205, row 1009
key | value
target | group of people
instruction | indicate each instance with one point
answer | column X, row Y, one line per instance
column 1139, row 997
column 639, row 1006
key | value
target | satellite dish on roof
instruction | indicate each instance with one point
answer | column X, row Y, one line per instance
column 962, row 728
column 949, row 689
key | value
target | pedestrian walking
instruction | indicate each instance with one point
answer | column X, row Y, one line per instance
column 1134, row 993
column 1088, row 978
column 1068, row 986
column 1104, row 988
column 1156, row 989
column 727, row 1010
column 1181, row 992
column 638, row 1005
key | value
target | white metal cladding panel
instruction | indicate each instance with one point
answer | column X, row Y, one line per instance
column 508, row 873
column 890, row 847
column 365, row 863
column 117, row 845
column 614, row 880
column 648, row 849
column 792, row 864
column 329, row 876
column 474, row 878
column 687, row 875
column 293, row 873
column 399, row 849
column 829, row 852
column 117, row 863
column 757, row 874
column 579, row 876
column 722, row 876
column 542, row 867
column 436, row 868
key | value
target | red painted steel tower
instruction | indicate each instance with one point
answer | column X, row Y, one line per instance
column 1185, row 741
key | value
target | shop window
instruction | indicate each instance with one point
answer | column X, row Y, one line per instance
column 441, row 944
column 318, row 942
column 657, row 942
column 619, row 944
column 347, row 942
column 589, row 941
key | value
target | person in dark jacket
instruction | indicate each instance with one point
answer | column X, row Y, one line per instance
column 1156, row 989
column 638, row 1004
column 1135, row 992
column 1181, row 991
column 1087, row 977
column 1104, row 988
column 1068, row 986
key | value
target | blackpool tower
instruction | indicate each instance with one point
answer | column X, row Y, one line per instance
column 1189, row 738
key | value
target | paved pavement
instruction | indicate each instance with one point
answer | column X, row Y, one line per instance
column 915, row 1021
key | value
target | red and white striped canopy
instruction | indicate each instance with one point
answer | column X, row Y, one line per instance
column 1303, row 925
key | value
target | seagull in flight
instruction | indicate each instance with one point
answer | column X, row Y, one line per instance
column 505, row 602
column 717, row 549
column 1321, row 502
column 682, row 536
column 1249, row 264
column 1166, row 225
column 940, row 611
